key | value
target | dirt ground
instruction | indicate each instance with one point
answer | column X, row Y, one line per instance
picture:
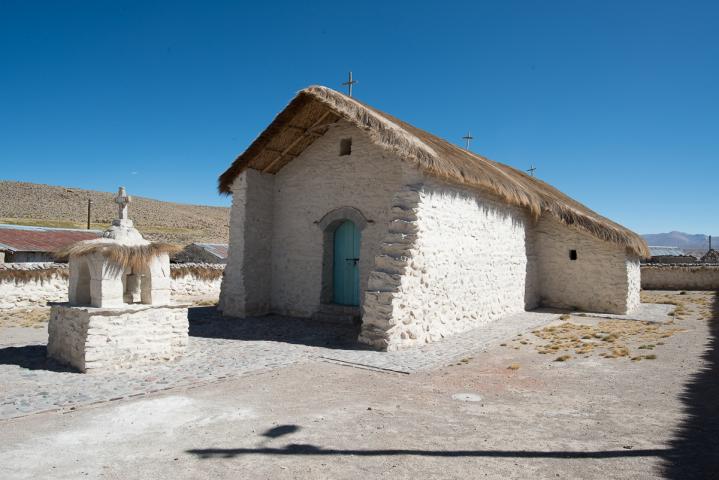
column 580, row 398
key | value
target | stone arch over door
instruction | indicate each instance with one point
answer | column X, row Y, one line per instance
column 328, row 224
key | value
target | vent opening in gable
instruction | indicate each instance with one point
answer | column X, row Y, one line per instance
column 345, row 146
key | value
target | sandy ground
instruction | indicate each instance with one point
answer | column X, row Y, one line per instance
column 509, row 412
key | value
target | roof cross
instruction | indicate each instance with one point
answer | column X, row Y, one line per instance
column 349, row 83
column 467, row 138
column 532, row 169
column 122, row 199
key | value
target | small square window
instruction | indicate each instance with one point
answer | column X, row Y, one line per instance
column 572, row 254
column 345, row 146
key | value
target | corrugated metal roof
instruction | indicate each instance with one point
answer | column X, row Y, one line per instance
column 20, row 238
column 664, row 251
column 217, row 249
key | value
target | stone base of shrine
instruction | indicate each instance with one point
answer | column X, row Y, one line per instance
column 100, row 339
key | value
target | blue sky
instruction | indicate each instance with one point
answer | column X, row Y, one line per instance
column 615, row 102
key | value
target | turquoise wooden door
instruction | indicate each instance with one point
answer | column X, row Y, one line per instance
column 345, row 267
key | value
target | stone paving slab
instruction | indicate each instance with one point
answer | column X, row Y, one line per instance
column 222, row 348
column 648, row 312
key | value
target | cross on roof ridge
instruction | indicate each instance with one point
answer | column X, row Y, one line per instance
column 349, row 83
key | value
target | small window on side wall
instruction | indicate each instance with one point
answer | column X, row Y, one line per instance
column 345, row 146
column 572, row 254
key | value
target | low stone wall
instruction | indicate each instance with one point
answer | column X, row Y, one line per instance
column 196, row 280
column 680, row 277
column 34, row 284
column 30, row 284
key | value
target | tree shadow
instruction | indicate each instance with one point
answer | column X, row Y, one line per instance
column 694, row 451
column 32, row 357
column 309, row 449
column 208, row 322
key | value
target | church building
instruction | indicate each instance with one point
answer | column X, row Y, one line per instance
column 341, row 209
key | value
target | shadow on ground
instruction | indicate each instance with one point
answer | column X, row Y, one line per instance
column 207, row 322
column 694, row 448
column 692, row 453
column 308, row 449
column 31, row 357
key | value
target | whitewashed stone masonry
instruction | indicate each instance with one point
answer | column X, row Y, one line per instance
column 246, row 286
column 452, row 260
column 92, row 339
column 603, row 278
column 276, row 253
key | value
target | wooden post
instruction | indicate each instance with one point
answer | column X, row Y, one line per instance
column 89, row 209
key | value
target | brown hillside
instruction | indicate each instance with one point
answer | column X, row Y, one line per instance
column 52, row 206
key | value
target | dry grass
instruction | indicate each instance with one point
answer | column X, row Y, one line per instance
column 31, row 317
column 123, row 257
column 315, row 108
column 200, row 272
column 205, row 302
column 36, row 274
column 38, row 222
column 617, row 338
column 608, row 338
column 686, row 303
column 514, row 366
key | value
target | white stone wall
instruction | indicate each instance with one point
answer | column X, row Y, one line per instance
column 246, row 286
column 93, row 339
column 18, row 291
column 309, row 187
column 604, row 278
column 634, row 282
column 189, row 286
column 454, row 259
column 680, row 277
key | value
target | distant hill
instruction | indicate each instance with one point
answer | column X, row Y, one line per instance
column 687, row 241
column 52, row 206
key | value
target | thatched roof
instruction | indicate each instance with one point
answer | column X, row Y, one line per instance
column 309, row 114
column 122, row 257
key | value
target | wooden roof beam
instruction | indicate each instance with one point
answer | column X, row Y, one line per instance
column 295, row 142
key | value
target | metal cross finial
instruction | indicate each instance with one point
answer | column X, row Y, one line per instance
column 122, row 199
column 532, row 169
column 467, row 138
column 349, row 83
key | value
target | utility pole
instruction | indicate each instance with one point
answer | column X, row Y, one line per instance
column 531, row 170
column 89, row 209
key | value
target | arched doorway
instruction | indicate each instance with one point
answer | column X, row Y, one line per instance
column 345, row 264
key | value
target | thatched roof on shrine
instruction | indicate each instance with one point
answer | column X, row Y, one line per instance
column 309, row 114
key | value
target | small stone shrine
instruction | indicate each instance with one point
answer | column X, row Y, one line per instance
column 119, row 312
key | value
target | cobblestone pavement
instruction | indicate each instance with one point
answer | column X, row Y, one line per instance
column 220, row 348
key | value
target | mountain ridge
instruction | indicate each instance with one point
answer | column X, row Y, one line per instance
column 680, row 239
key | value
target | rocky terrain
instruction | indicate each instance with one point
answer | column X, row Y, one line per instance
column 53, row 206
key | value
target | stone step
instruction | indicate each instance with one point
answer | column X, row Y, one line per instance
column 338, row 314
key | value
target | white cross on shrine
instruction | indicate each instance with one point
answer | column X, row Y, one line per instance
column 122, row 200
